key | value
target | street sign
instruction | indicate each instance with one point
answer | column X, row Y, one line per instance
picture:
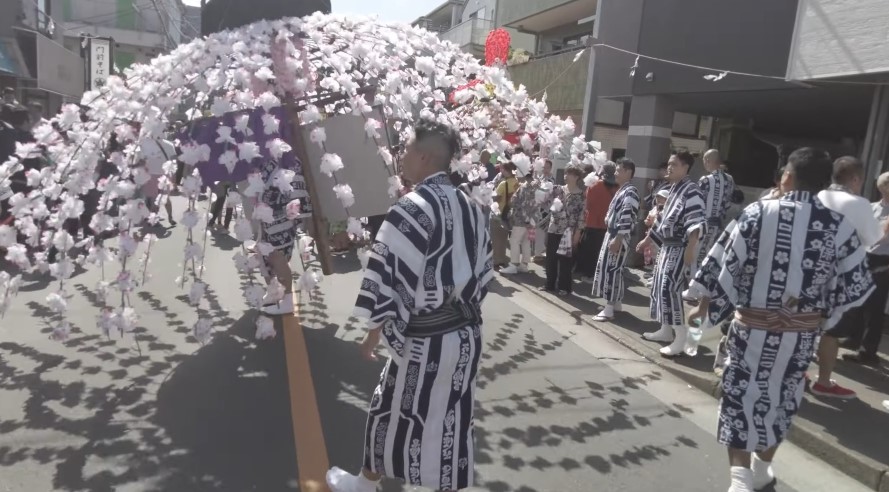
column 99, row 62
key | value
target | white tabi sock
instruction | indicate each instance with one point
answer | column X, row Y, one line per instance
column 763, row 475
column 608, row 312
column 665, row 334
column 742, row 479
column 678, row 345
column 341, row 481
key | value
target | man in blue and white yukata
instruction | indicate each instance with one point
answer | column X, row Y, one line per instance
column 676, row 234
column 426, row 278
column 788, row 269
column 620, row 220
column 717, row 186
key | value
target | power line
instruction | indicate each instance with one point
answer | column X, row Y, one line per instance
column 723, row 73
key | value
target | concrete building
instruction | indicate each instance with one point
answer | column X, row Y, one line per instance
column 799, row 74
column 33, row 60
column 562, row 28
column 218, row 15
column 191, row 23
column 467, row 23
column 141, row 29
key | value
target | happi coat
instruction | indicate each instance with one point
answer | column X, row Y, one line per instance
column 620, row 220
column 683, row 214
column 794, row 255
column 717, row 188
column 433, row 247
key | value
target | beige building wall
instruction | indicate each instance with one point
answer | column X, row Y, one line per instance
column 835, row 38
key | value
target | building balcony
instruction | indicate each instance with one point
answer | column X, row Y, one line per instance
column 563, row 79
column 471, row 33
column 536, row 16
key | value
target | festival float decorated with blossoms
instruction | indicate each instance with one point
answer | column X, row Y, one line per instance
column 264, row 84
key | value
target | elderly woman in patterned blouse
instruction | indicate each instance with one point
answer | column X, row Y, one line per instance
column 563, row 232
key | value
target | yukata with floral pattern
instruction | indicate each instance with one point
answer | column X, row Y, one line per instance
column 717, row 188
column 433, row 248
column 682, row 216
column 793, row 255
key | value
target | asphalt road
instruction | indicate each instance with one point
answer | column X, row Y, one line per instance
column 561, row 407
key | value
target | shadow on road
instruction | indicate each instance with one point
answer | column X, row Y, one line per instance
column 216, row 420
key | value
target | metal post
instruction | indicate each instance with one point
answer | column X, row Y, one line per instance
column 876, row 142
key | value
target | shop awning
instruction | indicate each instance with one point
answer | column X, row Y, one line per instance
column 11, row 61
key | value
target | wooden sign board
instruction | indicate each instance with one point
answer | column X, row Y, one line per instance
column 364, row 169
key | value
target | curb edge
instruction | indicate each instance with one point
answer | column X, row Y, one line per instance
column 867, row 471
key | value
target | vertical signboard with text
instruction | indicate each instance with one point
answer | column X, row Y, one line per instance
column 99, row 62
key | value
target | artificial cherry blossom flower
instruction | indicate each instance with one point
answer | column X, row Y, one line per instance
column 331, row 163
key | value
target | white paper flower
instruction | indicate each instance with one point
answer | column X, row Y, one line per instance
column 274, row 291
column 371, row 128
column 331, row 163
column 308, row 281
column 243, row 230
column 270, row 124
column 386, row 155
column 344, row 193
column 7, row 236
column 277, row 148
column 229, row 159
column 355, row 228
column 363, row 257
column 242, row 125
column 395, row 186
column 56, row 302
column 556, row 206
column 224, row 135
column 264, row 213
column 255, row 185
column 268, row 101
column 522, row 163
column 265, row 328
column 293, row 209
column 318, row 136
column 254, row 295
column 247, row 151
column 310, row 115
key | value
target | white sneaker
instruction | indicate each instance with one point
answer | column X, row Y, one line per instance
column 523, row 268
column 285, row 306
column 678, row 345
column 664, row 334
column 510, row 270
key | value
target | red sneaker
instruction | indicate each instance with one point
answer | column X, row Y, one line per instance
column 833, row 391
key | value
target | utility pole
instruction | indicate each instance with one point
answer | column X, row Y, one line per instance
column 591, row 95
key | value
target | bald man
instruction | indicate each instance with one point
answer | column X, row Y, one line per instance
column 717, row 187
